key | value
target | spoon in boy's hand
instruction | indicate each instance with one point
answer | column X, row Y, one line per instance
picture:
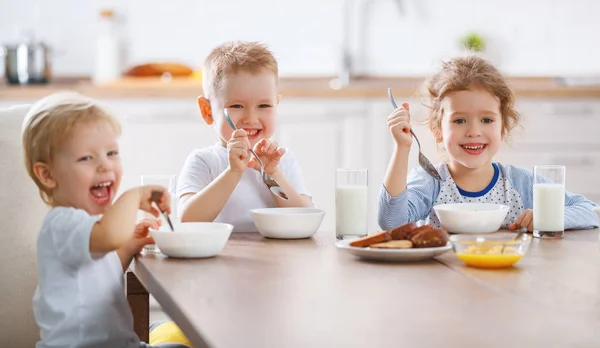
column 271, row 183
column 155, row 197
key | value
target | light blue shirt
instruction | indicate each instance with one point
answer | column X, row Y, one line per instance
column 511, row 186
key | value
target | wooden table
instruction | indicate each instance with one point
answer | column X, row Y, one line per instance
column 306, row 293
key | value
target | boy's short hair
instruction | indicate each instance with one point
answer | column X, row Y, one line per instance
column 232, row 57
column 50, row 121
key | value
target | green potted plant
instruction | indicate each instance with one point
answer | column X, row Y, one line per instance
column 473, row 42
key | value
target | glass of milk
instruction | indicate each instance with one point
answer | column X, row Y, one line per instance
column 548, row 201
column 351, row 190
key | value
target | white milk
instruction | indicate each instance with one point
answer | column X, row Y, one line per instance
column 351, row 210
column 549, row 207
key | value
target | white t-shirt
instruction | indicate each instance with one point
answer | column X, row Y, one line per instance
column 204, row 165
column 80, row 299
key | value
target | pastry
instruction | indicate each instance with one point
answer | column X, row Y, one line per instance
column 404, row 231
column 368, row 240
column 430, row 238
column 393, row 244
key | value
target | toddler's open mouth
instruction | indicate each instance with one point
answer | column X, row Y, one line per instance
column 102, row 192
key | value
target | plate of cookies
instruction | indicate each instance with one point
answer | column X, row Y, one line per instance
column 407, row 243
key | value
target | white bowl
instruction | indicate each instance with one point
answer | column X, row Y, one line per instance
column 287, row 223
column 192, row 239
column 471, row 217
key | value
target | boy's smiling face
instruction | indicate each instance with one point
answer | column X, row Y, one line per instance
column 86, row 172
column 251, row 100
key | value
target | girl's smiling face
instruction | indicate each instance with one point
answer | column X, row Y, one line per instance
column 471, row 127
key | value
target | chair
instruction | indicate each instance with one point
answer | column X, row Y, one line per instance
column 21, row 215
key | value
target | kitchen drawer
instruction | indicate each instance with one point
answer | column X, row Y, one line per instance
column 582, row 168
column 558, row 122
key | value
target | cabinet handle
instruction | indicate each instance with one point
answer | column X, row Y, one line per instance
column 569, row 110
column 586, row 161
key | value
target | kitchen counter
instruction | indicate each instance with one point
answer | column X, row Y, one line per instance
column 317, row 87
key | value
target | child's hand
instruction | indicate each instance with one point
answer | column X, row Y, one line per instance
column 525, row 220
column 164, row 204
column 399, row 124
column 269, row 154
column 141, row 234
column 238, row 149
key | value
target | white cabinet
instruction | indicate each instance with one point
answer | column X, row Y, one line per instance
column 559, row 131
column 325, row 135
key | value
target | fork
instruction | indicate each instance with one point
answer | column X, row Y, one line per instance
column 267, row 179
column 423, row 161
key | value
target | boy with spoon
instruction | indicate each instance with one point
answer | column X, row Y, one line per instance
column 224, row 181
column 86, row 241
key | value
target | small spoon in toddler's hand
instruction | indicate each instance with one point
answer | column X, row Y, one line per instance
column 155, row 197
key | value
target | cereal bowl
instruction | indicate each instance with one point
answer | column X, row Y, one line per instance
column 287, row 223
column 192, row 239
column 490, row 251
column 471, row 217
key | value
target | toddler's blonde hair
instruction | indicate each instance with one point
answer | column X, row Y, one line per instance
column 459, row 74
column 233, row 57
column 50, row 122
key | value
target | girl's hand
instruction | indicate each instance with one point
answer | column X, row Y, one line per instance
column 525, row 220
column 238, row 149
column 269, row 153
column 399, row 124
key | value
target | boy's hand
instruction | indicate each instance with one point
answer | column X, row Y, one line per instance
column 164, row 204
column 399, row 124
column 525, row 220
column 141, row 235
column 269, row 154
column 238, row 149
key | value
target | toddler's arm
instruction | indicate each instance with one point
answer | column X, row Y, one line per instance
column 116, row 227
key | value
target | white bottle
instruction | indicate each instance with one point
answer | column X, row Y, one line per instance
column 108, row 56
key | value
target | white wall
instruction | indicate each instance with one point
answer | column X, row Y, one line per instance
column 534, row 37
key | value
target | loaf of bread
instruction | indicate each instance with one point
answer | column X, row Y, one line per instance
column 405, row 231
column 430, row 238
column 158, row 69
column 369, row 240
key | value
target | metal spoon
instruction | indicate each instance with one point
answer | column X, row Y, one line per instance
column 267, row 179
column 423, row 161
column 155, row 197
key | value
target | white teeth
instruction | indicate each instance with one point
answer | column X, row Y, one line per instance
column 103, row 184
column 252, row 132
column 474, row 147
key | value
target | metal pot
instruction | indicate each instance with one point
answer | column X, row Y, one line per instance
column 27, row 63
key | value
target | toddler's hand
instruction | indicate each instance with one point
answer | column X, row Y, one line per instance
column 269, row 154
column 525, row 220
column 140, row 234
column 399, row 124
column 238, row 149
column 164, row 204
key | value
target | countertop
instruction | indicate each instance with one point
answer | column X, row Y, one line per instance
column 309, row 87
